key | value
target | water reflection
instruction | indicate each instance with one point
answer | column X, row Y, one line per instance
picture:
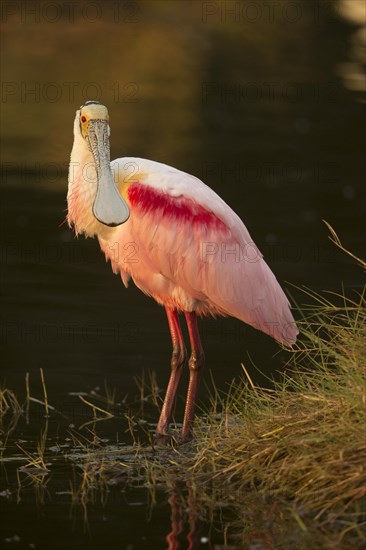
column 179, row 518
column 353, row 72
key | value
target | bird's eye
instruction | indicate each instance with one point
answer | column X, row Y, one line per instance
column 83, row 119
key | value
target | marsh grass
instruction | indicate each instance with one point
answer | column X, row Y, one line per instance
column 303, row 442
column 12, row 409
column 9, row 403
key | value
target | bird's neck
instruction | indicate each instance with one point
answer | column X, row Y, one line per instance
column 82, row 190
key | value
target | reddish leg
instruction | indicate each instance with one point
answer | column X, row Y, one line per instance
column 177, row 362
column 196, row 364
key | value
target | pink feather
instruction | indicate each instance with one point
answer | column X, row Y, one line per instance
column 184, row 246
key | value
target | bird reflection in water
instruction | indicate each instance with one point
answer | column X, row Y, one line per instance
column 178, row 506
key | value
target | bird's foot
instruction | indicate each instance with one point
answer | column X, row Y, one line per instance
column 165, row 440
column 172, row 440
column 184, row 438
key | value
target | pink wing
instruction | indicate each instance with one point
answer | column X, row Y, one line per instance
column 190, row 237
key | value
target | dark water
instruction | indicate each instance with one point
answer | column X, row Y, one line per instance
column 263, row 110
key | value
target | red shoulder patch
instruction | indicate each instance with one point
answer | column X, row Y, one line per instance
column 182, row 209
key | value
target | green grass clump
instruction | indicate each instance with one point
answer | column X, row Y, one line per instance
column 304, row 440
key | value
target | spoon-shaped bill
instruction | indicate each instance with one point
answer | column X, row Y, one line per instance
column 109, row 206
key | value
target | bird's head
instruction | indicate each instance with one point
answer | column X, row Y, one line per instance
column 90, row 114
column 92, row 126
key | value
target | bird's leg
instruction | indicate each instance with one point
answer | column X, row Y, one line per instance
column 177, row 362
column 196, row 364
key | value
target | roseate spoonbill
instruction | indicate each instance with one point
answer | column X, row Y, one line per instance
column 178, row 241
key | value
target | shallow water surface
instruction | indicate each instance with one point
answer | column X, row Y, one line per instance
column 73, row 478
